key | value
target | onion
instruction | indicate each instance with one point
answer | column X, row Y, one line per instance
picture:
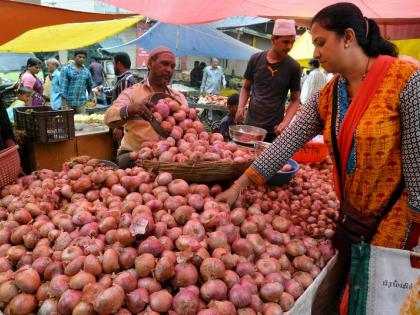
column 231, row 278
column 80, row 280
column 183, row 214
column 27, row 279
column 245, row 268
column 213, row 290
column 212, row 268
column 222, row 307
column 68, row 301
column 195, row 229
column 161, row 301
column 126, row 280
column 271, row 292
column 92, row 265
column 304, row 279
column 164, row 178
column 83, row 308
column 56, row 268
column 178, row 187
column 8, row 290
column 110, row 261
column 91, row 291
column 164, row 269
column 110, row 300
column 293, row 288
column 151, row 245
column 49, row 306
column 272, row 309
column 58, row 285
column 185, row 275
column 150, row 284
column 137, row 300
column 243, row 247
column 186, row 302
column 22, row 304
column 127, row 257
column 286, row 301
column 74, row 266
column 295, row 248
column 217, row 239
column 240, row 296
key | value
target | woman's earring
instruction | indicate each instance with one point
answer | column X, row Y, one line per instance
column 346, row 46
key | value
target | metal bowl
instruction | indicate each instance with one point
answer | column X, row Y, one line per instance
column 246, row 134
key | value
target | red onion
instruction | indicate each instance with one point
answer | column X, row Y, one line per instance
column 271, row 292
column 185, row 275
column 161, row 301
column 150, row 284
column 240, row 296
column 222, row 307
column 27, row 279
column 186, row 302
column 293, row 288
column 213, row 290
column 8, row 290
column 272, row 309
column 126, row 280
column 110, row 300
column 286, row 301
column 22, row 304
column 49, row 306
column 68, row 301
column 80, row 280
column 212, row 268
column 137, row 300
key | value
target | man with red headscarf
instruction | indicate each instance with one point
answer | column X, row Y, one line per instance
column 133, row 102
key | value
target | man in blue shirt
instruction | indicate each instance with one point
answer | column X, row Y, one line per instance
column 213, row 78
column 75, row 81
column 55, row 90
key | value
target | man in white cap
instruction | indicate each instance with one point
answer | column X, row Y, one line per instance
column 271, row 75
column 134, row 102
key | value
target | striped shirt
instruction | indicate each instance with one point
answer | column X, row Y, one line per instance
column 75, row 83
column 124, row 81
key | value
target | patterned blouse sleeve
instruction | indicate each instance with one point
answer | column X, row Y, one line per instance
column 410, row 113
column 307, row 125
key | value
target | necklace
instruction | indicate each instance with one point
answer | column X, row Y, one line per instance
column 366, row 71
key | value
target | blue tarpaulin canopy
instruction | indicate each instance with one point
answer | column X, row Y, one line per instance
column 197, row 40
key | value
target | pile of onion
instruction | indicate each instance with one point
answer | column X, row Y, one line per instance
column 91, row 239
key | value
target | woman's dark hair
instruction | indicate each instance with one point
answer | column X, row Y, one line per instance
column 123, row 58
column 341, row 16
column 31, row 62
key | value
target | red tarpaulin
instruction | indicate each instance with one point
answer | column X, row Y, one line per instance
column 399, row 19
column 18, row 17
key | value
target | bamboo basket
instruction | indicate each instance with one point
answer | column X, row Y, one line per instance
column 199, row 172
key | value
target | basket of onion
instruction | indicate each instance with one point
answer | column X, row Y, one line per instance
column 190, row 153
column 195, row 158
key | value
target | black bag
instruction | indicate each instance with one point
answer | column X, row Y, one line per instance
column 353, row 227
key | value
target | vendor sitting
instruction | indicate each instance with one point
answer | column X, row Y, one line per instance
column 229, row 119
column 133, row 103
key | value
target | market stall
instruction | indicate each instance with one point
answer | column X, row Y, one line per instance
column 48, row 138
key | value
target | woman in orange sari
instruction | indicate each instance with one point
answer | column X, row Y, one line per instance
column 370, row 117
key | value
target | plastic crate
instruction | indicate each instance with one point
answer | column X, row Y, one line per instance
column 9, row 166
column 44, row 125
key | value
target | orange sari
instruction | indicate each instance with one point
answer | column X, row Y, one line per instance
column 374, row 167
